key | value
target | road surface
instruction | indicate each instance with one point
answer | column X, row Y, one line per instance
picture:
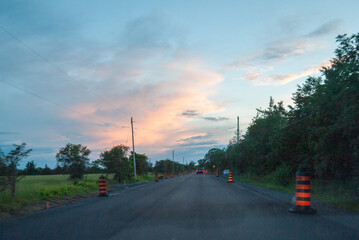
column 187, row 207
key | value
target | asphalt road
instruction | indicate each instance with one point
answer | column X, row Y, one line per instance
column 187, row 207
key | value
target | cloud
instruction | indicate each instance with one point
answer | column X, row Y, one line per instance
column 278, row 51
column 215, row 119
column 149, row 74
column 198, row 144
column 275, row 52
column 325, row 29
column 258, row 68
column 196, row 137
column 281, row 79
column 193, row 113
column 190, row 113
column 252, row 76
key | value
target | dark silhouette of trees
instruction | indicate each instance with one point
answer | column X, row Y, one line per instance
column 75, row 158
column 142, row 164
column 30, row 168
column 116, row 161
column 9, row 164
column 320, row 133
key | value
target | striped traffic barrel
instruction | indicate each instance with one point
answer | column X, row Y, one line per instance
column 102, row 186
column 156, row 177
column 302, row 194
column 230, row 177
column 217, row 173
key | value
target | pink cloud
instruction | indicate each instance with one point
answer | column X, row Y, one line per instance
column 252, row 76
column 282, row 79
column 156, row 105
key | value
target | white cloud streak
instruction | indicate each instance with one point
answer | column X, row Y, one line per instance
column 281, row 79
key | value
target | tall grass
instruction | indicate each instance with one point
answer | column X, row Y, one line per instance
column 33, row 189
column 338, row 193
column 144, row 178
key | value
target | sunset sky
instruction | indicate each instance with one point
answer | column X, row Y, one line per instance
column 76, row 71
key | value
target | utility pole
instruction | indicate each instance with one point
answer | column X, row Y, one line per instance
column 183, row 164
column 173, row 161
column 237, row 129
column 133, row 151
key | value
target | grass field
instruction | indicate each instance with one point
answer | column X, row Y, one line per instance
column 33, row 189
column 337, row 193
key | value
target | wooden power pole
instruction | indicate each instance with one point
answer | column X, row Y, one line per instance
column 133, row 151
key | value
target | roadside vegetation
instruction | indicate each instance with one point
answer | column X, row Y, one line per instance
column 74, row 175
column 34, row 189
column 37, row 188
column 338, row 193
column 319, row 134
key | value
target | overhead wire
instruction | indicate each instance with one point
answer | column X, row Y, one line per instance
column 57, row 67
column 52, row 102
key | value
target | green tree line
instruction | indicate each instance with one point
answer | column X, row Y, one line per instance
column 319, row 134
column 168, row 166
column 73, row 160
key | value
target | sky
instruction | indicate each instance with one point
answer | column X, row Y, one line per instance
column 77, row 71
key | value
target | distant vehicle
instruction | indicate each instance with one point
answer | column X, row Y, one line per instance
column 199, row 171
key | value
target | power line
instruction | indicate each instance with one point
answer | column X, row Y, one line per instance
column 55, row 66
column 52, row 102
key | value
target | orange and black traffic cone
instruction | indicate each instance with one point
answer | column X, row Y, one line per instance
column 179, row 174
column 230, row 177
column 156, row 177
column 172, row 175
column 102, row 187
column 302, row 194
column 217, row 173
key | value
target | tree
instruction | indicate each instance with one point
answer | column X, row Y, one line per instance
column 46, row 170
column 94, row 167
column 215, row 156
column 191, row 165
column 337, row 114
column 116, row 161
column 3, row 178
column 142, row 163
column 201, row 163
column 75, row 158
column 12, row 161
column 319, row 134
column 163, row 166
column 58, row 169
column 30, row 168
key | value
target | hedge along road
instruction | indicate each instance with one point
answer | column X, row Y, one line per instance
column 187, row 207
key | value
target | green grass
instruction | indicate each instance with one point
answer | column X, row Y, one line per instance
column 266, row 182
column 33, row 189
column 338, row 193
column 144, row 178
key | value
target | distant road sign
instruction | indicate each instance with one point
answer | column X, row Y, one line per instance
column 226, row 171
column 214, row 166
